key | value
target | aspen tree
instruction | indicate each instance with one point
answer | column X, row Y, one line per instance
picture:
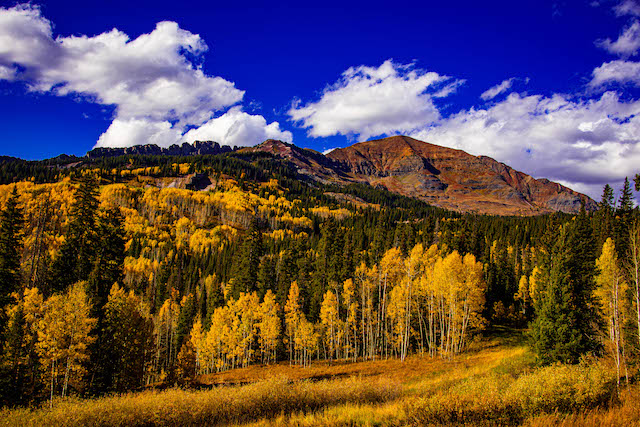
column 351, row 322
column 197, row 338
column 64, row 337
column 331, row 322
column 292, row 314
column 269, row 327
column 389, row 274
column 610, row 291
column 633, row 267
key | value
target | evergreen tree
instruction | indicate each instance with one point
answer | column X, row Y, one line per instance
column 130, row 338
column 567, row 322
column 607, row 202
column 248, row 262
column 624, row 220
column 76, row 257
column 625, row 204
column 109, row 256
column 11, row 223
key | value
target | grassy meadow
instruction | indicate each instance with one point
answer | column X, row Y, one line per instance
column 496, row 382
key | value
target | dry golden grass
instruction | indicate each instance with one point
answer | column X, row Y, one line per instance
column 223, row 405
column 495, row 383
column 626, row 414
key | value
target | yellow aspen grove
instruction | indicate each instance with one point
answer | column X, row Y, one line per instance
column 64, row 337
column 460, row 297
column 424, row 300
column 166, row 323
column 397, row 318
column 610, row 291
column 247, row 316
column 412, row 269
column 365, row 278
column 306, row 341
column 472, row 298
column 292, row 317
column 534, row 285
column 633, row 267
column 350, row 302
column 523, row 294
column 197, row 338
column 217, row 342
column 269, row 327
column 331, row 323
column 390, row 272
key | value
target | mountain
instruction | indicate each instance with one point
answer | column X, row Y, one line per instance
column 186, row 149
column 444, row 177
column 307, row 162
column 454, row 179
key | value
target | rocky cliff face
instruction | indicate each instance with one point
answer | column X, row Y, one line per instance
column 186, row 149
column 454, row 179
column 308, row 162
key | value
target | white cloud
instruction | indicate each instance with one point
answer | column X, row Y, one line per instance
column 618, row 71
column 583, row 144
column 129, row 132
column 237, row 128
column 627, row 44
column 627, row 7
column 370, row 101
column 157, row 90
column 497, row 89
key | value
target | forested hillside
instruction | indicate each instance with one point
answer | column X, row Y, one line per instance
column 137, row 270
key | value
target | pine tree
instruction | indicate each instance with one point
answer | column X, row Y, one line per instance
column 567, row 322
column 77, row 254
column 246, row 267
column 109, row 256
column 11, row 223
column 625, row 204
column 623, row 224
column 607, row 202
column 129, row 330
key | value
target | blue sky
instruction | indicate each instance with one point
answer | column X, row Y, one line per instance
column 548, row 87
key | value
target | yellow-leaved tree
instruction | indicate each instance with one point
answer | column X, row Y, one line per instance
column 610, row 291
column 351, row 322
column 269, row 327
column 292, row 317
column 331, row 322
column 64, row 337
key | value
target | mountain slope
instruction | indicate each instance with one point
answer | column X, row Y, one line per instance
column 454, row 179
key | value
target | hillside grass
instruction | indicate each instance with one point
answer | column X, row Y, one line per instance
column 495, row 383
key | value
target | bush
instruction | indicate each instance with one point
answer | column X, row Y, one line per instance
column 218, row 406
column 503, row 400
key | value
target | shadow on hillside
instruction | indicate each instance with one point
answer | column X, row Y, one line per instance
column 500, row 336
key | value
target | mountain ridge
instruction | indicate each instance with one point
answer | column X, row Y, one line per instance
column 444, row 177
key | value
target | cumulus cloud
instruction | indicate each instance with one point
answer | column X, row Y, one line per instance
column 155, row 81
column 129, row 132
column 582, row 144
column 619, row 71
column 370, row 101
column 497, row 89
column 627, row 44
column 627, row 7
column 237, row 128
